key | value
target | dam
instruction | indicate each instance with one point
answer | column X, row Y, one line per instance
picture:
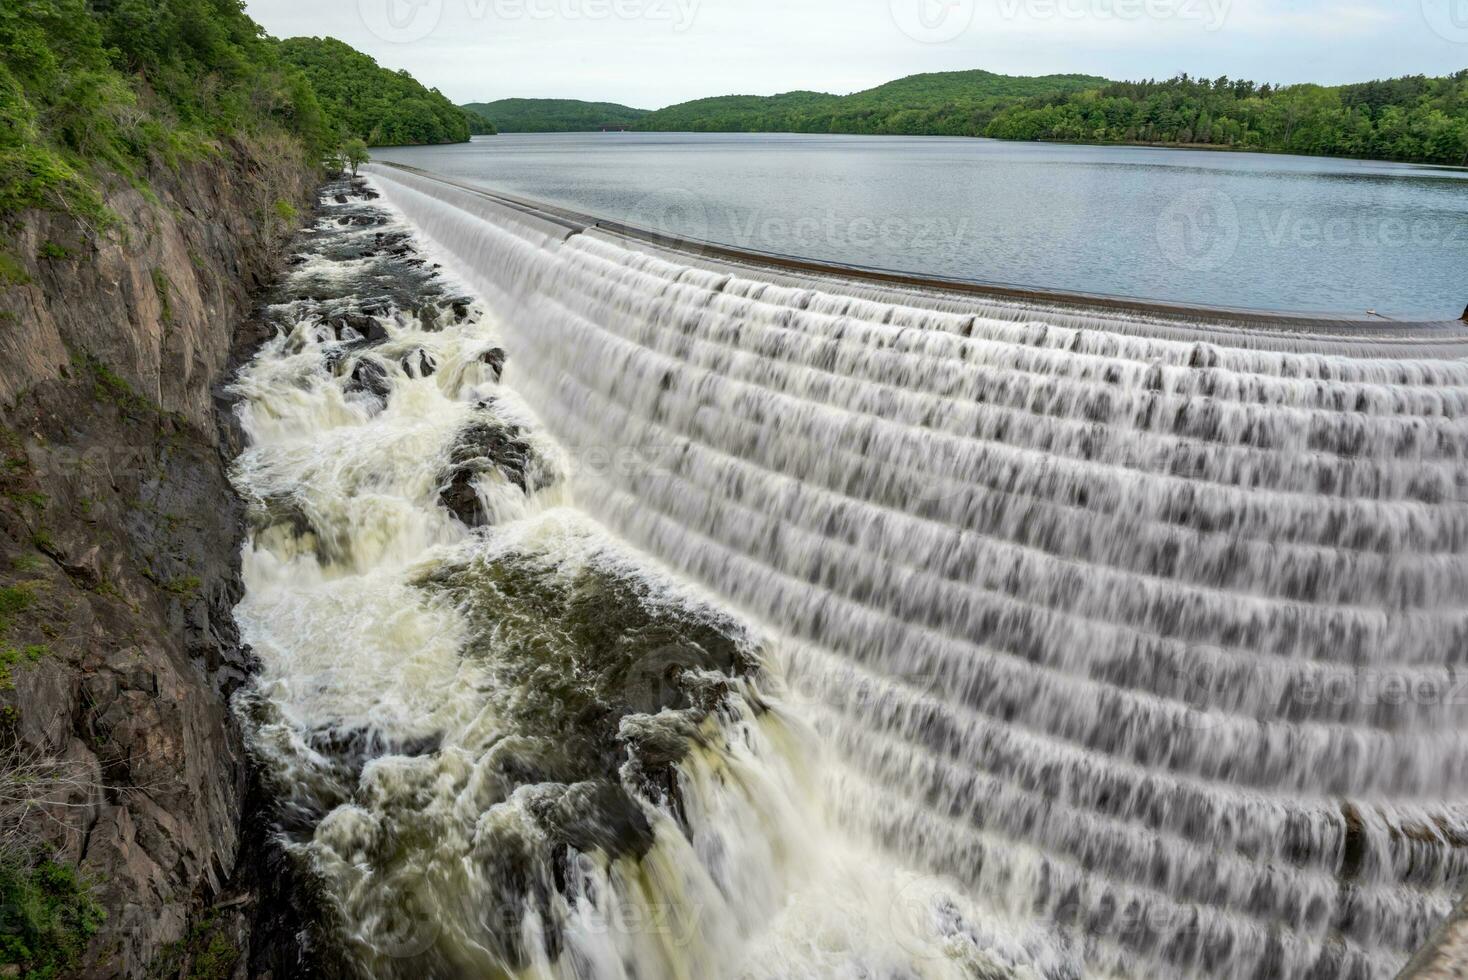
column 979, row 632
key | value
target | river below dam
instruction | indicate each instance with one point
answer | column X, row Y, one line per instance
column 1190, row 226
column 625, row 614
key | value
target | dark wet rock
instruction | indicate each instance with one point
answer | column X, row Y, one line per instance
column 358, row 327
column 523, row 760
column 518, row 878
column 462, row 500
column 598, row 815
column 296, row 260
column 359, row 745
column 420, row 364
column 495, row 358
column 486, row 444
column 281, row 511
column 583, row 662
column 362, row 219
column 1356, row 846
column 370, row 377
column 580, row 652
column 459, row 307
column 339, row 198
column 427, row 315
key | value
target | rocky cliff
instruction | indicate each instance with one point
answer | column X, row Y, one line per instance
column 119, row 550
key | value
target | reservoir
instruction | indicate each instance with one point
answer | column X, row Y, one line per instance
column 1202, row 227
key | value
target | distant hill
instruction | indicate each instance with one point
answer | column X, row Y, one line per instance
column 478, row 125
column 1414, row 118
column 955, row 102
column 382, row 106
column 958, row 103
column 555, row 115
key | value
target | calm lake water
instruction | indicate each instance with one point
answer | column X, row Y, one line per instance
column 1229, row 229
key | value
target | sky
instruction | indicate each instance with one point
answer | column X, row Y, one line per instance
column 652, row 53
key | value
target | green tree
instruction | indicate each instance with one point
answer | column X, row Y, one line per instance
column 372, row 103
column 356, row 153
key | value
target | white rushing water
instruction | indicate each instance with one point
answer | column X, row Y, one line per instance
column 1003, row 643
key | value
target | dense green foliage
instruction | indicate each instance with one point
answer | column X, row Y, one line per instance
column 1413, row 118
column 958, row 103
column 555, row 115
column 131, row 84
column 478, row 124
column 383, row 107
column 125, row 86
column 49, row 915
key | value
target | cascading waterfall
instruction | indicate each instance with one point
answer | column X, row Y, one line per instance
column 505, row 743
column 1032, row 643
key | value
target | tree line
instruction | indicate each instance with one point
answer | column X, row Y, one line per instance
column 1415, row 118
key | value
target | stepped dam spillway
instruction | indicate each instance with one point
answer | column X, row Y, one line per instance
column 655, row 611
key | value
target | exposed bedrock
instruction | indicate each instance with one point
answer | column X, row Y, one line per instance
column 119, row 540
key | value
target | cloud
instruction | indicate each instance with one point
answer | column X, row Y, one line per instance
column 654, row 52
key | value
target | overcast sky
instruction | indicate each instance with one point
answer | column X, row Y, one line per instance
column 651, row 53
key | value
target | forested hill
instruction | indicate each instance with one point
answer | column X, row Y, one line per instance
column 92, row 89
column 375, row 104
column 954, row 103
column 933, row 103
column 555, row 115
column 1415, row 118
column 87, row 89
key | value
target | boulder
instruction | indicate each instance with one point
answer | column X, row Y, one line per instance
column 370, row 377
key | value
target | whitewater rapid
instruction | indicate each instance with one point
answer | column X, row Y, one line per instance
column 813, row 631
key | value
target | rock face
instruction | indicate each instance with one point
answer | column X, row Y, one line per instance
column 120, row 533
